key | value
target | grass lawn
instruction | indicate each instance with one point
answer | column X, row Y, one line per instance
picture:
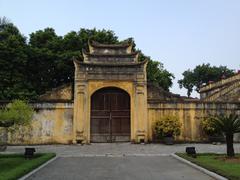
column 13, row 166
column 218, row 163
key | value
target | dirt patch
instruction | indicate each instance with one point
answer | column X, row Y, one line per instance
column 229, row 159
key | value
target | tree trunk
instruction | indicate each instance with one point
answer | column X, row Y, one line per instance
column 230, row 149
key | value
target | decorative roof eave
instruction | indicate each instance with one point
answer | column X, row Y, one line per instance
column 112, row 64
column 132, row 54
column 99, row 45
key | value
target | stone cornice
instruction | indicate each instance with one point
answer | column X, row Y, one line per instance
column 130, row 55
column 111, row 64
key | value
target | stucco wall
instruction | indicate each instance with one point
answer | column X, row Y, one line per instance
column 190, row 115
column 62, row 93
column 52, row 123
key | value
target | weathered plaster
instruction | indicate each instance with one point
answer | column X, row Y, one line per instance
column 190, row 115
column 139, row 125
column 52, row 123
column 117, row 66
column 61, row 93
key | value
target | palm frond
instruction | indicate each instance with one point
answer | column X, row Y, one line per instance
column 228, row 124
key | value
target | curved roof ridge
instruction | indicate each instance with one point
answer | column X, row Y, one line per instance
column 84, row 52
column 117, row 45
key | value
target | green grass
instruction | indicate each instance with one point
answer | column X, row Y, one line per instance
column 230, row 170
column 14, row 166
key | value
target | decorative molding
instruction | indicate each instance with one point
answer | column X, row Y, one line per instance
column 139, row 89
column 81, row 88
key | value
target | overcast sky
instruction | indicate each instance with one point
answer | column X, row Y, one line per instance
column 179, row 33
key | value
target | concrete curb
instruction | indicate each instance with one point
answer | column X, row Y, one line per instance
column 37, row 169
column 210, row 173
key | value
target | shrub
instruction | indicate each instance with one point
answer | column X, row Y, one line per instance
column 168, row 126
column 16, row 113
column 228, row 124
column 208, row 126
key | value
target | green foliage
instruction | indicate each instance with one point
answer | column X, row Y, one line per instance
column 13, row 63
column 158, row 75
column 217, row 164
column 30, row 68
column 167, row 126
column 228, row 124
column 14, row 166
column 16, row 113
column 203, row 74
column 4, row 21
column 208, row 126
column 50, row 56
column 156, row 72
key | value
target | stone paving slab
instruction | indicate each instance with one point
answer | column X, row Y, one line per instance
column 118, row 168
column 120, row 149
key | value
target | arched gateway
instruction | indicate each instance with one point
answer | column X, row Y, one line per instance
column 110, row 101
column 110, row 116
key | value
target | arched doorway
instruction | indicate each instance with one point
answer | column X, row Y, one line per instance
column 110, row 115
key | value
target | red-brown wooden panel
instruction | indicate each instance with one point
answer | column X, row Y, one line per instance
column 110, row 115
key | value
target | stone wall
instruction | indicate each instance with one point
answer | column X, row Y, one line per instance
column 52, row 123
column 223, row 90
column 190, row 114
column 61, row 93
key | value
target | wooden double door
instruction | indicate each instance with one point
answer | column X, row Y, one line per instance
column 110, row 116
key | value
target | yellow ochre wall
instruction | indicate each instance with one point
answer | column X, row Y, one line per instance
column 53, row 122
column 190, row 115
column 82, row 106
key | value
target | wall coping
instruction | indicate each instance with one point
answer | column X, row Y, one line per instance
column 157, row 101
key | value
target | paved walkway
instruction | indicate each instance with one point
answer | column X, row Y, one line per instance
column 118, row 168
column 119, row 149
column 117, row 161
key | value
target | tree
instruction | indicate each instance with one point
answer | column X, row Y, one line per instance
column 187, row 82
column 158, row 75
column 13, row 60
column 51, row 56
column 4, row 21
column 203, row 74
column 156, row 72
column 73, row 44
column 16, row 113
column 30, row 68
column 228, row 125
